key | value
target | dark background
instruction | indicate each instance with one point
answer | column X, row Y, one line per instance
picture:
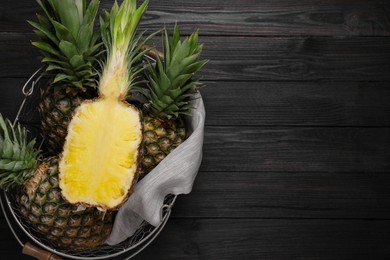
column 297, row 144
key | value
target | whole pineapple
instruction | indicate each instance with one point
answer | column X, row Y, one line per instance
column 170, row 90
column 39, row 196
column 70, row 45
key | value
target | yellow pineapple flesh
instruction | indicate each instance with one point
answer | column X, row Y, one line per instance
column 101, row 153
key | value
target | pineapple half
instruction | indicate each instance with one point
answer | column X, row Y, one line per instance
column 35, row 183
column 170, row 89
column 70, row 45
column 99, row 164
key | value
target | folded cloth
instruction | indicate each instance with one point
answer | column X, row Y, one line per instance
column 173, row 175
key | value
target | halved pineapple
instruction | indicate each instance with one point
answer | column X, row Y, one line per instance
column 101, row 154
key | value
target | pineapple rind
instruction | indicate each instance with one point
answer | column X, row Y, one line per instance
column 63, row 224
column 160, row 138
column 56, row 109
column 39, row 197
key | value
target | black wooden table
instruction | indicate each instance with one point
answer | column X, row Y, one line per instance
column 297, row 147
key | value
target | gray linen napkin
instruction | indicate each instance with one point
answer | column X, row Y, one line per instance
column 174, row 175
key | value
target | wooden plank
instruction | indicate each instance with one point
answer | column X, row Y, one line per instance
column 271, row 239
column 9, row 247
column 297, row 59
column 17, row 56
column 297, row 103
column 256, row 239
column 247, row 17
column 272, row 103
column 252, row 58
column 11, row 99
column 11, row 96
column 286, row 195
column 270, row 18
column 298, row 149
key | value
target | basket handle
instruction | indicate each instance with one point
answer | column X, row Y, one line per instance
column 153, row 52
column 40, row 254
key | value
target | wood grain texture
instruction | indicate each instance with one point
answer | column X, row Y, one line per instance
column 11, row 96
column 9, row 247
column 297, row 59
column 272, row 103
column 284, row 195
column 295, row 149
column 11, row 99
column 271, row 239
column 252, row 59
column 270, row 18
column 247, row 17
column 17, row 56
column 297, row 103
column 256, row 238
column 297, row 144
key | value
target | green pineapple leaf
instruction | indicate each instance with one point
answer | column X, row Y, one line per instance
column 48, row 48
column 18, row 157
column 45, row 31
column 69, row 38
column 68, row 13
column 60, row 76
column 68, row 49
column 77, row 61
column 171, row 83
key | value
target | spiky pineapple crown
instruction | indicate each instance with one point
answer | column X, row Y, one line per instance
column 171, row 84
column 69, row 41
column 123, row 47
column 18, row 157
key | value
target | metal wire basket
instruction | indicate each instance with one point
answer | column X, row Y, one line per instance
column 22, row 231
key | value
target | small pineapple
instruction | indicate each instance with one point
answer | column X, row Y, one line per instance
column 170, row 90
column 100, row 160
column 39, row 195
column 70, row 45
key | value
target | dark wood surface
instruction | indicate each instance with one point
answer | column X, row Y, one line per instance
column 297, row 146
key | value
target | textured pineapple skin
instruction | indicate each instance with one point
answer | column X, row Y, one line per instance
column 160, row 137
column 56, row 109
column 42, row 206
